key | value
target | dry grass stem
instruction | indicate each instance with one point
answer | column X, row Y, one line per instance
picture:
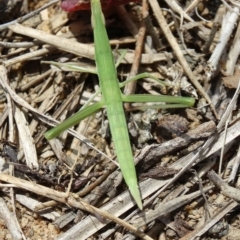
column 71, row 187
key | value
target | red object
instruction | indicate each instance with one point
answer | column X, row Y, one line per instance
column 75, row 5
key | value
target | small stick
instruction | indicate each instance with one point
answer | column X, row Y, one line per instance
column 226, row 190
column 27, row 16
column 179, row 54
column 131, row 87
column 64, row 198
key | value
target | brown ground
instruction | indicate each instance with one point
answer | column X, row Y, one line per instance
column 48, row 187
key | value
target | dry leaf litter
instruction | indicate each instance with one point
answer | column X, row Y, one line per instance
column 70, row 187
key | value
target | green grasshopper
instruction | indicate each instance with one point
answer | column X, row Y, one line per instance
column 113, row 99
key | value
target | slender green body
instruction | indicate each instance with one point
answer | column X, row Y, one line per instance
column 113, row 100
column 112, row 97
